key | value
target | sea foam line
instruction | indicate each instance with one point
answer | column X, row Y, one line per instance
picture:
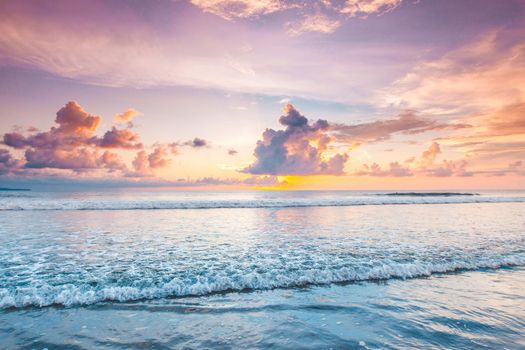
column 73, row 295
column 247, row 204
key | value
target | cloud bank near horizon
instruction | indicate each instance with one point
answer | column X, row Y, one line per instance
column 302, row 148
column 73, row 146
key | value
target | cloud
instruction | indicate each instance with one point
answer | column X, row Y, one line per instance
column 144, row 164
column 112, row 161
column 319, row 15
column 230, row 9
column 509, row 120
column 263, row 181
column 496, row 134
column 76, row 127
column 313, row 23
column 141, row 165
column 15, row 140
column 7, row 162
column 362, row 8
column 119, row 138
column 395, row 169
column 429, row 156
column 407, row 122
column 77, row 159
column 47, row 41
column 158, row 158
column 73, row 119
column 126, row 116
column 232, row 152
column 52, row 180
column 67, row 146
column 72, row 145
column 299, row 149
column 478, row 77
column 449, row 168
column 446, row 168
column 516, row 164
column 425, row 166
column 196, row 143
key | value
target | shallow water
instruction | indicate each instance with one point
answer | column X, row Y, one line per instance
column 446, row 275
column 472, row 310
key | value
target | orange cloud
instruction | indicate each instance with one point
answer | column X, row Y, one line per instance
column 126, row 116
column 485, row 75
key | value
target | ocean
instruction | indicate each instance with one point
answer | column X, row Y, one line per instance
column 168, row 269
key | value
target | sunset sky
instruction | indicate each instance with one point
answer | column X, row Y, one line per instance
column 320, row 94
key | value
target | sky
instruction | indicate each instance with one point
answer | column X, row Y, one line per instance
column 268, row 94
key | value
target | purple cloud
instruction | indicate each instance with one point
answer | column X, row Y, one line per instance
column 299, row 149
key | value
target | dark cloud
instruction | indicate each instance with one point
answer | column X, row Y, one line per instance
column 299, row 149
column 196, row 143
column 7, row 162
column 15, row 140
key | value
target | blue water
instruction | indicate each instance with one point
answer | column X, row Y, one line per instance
column 261, row 270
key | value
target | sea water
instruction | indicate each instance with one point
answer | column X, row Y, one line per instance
column 170, row 269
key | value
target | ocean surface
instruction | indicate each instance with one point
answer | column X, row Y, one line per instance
column 166, row 269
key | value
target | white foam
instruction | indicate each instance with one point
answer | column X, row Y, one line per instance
column 18, row 204
column 73, row 295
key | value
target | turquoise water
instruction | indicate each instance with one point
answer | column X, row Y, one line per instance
column 261, row 270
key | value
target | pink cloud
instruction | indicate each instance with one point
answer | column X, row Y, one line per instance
column 429, row 156
column 73, row 146
column 395, row 170
column 119, row 138
column 313, row 23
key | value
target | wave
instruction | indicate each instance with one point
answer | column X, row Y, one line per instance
column 62, row 204
column 430, row 194
column 80, row 295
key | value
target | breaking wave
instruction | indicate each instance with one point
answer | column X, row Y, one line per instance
column 198, row 285
column 384, row 199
